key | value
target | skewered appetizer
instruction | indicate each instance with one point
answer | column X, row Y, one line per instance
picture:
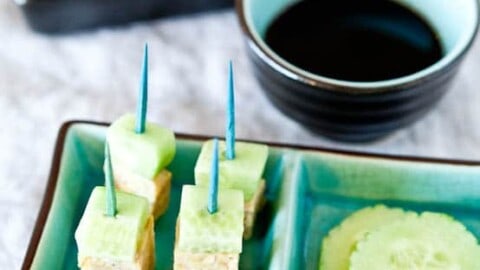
column 139, row 161
column 209, row 226
column 204, row 240
column 141, row 151
column 115, row 231
column 241, row 165
column 125, row 241
column 243, row 173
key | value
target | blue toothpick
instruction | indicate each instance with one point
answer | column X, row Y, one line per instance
column 230, row 132
column 142, row 96
column 213, row 190
column 111, row 196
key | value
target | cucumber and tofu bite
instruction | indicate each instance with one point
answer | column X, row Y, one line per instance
column 139, row 160
column 244, row 173
column 125, row 241
column 209, row 241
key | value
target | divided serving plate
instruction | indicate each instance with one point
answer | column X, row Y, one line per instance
column 309, row 191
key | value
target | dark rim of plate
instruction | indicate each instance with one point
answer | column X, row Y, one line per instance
column 59, row 146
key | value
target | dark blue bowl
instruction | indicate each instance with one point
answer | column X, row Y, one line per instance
column 358, row 111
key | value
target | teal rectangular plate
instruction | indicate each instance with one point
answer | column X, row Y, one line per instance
column 309, row 191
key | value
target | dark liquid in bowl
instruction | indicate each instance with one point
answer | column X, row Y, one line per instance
column 354, row 40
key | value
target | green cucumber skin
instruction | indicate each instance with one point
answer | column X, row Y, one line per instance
column 115, row 238
column 144, row 154
column 243, row 173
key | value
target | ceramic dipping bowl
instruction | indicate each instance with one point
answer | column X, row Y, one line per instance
column 358, row 111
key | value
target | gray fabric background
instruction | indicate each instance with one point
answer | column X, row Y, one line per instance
column 45, row 81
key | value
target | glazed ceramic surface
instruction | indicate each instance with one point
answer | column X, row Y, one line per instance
column 309, row 191
column 358, row 111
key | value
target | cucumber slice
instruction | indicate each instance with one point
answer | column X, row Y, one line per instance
column 243, row 173
column 340, row 242
column 429, row 241
column 200, row 231
column 115, row 238
column 143, row 154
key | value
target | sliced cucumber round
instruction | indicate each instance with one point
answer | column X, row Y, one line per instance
column 430, row 241
column 340, row 242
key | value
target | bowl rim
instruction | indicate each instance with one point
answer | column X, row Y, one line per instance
column 281, row 66
column 66, row 126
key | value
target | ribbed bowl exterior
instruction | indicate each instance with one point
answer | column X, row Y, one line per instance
column 354, row 117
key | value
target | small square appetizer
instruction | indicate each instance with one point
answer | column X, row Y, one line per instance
column 209, row 241
column 139, row 161
column 209, row 225
column 243, row 173
column 140, row 152
column 125, row 241
column 116, row 230
column 241, row 165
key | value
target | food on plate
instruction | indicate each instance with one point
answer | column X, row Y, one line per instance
column 244, row 173
column 139, row 161
column 204, row 240
column 378, row 238
column 123, row 241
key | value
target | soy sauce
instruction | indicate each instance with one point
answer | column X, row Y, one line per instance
column 367, row 40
